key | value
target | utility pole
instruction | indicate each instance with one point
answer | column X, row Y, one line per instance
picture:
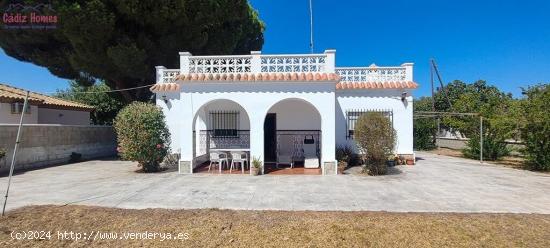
column 441, row 83
column 433, row 104
column 310, row 26
column 481, row 139
column 15, row 150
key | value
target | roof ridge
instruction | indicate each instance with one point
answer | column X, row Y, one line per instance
column 45, row 99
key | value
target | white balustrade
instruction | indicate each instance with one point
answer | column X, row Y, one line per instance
column 284, row 63
column 220, row 64
column 293, row 63
column 372, row 74
column 168, row 75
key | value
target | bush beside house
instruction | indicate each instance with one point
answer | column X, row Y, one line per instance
column 376, row 138
column 535, row 131
column 142, row 135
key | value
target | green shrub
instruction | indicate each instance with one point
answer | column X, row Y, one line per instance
column 343, row 153
column 493, row 149
column 354, row 160
column 142, row 135
column 376, row 137
column 535, row 133
column 2, row 153
column 424, row 129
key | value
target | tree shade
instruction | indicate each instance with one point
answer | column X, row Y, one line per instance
column 120, row 41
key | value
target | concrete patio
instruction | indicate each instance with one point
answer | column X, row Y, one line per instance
column 435, row 184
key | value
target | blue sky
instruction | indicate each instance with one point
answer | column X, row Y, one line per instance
column 506, row 43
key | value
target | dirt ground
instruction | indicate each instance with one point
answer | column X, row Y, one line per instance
column 508, row 161
column 212, row 228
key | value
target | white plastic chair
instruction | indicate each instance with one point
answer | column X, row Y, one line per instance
column 217, row 158
column 237, row 157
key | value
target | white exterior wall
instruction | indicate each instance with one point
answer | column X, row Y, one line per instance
column 257, row 100
column 62, row 116
column 6, row 117
column 377, row 99
column 174, row 116
column 295, row 114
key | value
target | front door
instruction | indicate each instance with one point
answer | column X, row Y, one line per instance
column 270, row 138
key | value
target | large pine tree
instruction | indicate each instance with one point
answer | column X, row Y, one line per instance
column 120, row 41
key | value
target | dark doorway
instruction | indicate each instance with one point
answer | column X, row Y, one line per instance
column 270, row 138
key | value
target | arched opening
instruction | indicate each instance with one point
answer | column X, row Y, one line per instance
column 221, row 129
column 292, row 138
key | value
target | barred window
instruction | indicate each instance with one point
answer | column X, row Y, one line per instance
column 224, row 123
column 17, row 108
column 353, row 115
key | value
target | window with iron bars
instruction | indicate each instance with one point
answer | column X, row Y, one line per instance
column 224, row 123
column 353, row 115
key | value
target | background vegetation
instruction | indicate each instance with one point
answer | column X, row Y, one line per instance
column 505, row 118
column 106, row 104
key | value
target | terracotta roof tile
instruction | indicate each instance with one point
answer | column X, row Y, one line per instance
column 13, row 94
column 251, row 77
column 165, row 87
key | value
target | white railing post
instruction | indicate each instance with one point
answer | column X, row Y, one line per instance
column 160, row 71
column 330, row 61
column 256, row 62
column 184, row 62
column 408, row 71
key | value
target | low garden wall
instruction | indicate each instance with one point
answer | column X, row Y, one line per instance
column 50, row 144
column 459, row 144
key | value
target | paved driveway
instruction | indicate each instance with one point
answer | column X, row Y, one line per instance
column 436, row 183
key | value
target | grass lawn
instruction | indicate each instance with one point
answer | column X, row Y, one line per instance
column 277, row 228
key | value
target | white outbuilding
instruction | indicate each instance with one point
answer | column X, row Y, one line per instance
column 283, row 109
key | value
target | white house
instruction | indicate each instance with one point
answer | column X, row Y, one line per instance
column 276, row 106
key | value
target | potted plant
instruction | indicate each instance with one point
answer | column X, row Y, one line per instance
column 402, row 160
column 410, row 161
column 256, row 166
column 391, row 161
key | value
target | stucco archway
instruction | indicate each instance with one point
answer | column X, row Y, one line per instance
column 292, row 134
column 219, row 124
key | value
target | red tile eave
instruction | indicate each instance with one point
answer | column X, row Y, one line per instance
column 282, row 77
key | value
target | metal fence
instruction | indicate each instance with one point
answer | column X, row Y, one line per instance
column 209, row 139
column 353, row 115
column 294, row 140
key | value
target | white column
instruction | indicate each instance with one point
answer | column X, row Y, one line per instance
column 408, row 71
column 256, row 135
column 186, row 134
column 160, row 70
column 184, row 62
column 330, row 61
column 256, row 62
column 327, row 110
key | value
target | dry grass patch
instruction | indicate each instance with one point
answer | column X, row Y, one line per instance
column 210, row 228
